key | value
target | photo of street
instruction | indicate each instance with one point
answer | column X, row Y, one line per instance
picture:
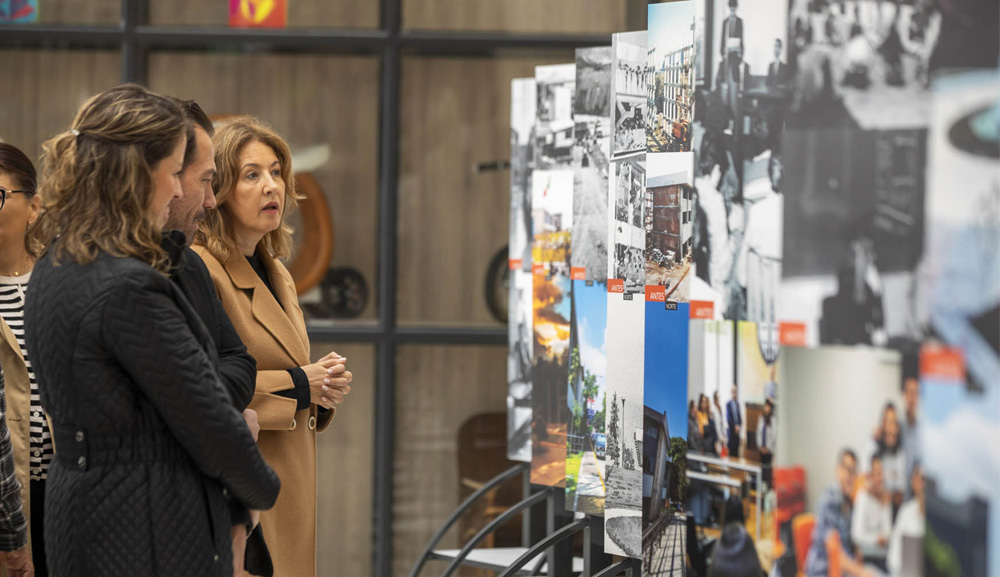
column 668, row 222
column 670, row 76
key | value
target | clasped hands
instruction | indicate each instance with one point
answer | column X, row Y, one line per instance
column 329, row 380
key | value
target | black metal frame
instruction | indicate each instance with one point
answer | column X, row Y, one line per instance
column 135, row 39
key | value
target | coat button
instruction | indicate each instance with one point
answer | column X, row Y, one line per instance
column 312, row 423
column 216, row 558
column 82, row 461
column 79, row 436
column 292, row 428
column 225, row 492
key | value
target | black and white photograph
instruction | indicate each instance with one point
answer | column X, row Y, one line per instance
column 519, row 311
column 669, row 223
column 853, row 235
column 624, row 421
column 627, row 235
column 554, row 128
column 590, row 163
column 628, row 103
column 743, row 90
column 670, row 73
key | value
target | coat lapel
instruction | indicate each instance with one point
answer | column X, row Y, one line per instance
column 267, row 311
column 10, row 339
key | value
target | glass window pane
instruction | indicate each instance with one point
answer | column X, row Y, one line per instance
column 440, row 389
column 326, row 108
column 524, row 16
column 301, row 13
column 44, row 89
column 452, row 219
column 345, row 470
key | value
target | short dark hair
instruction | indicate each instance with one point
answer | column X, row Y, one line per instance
column 195, row 116
column 733, row 3
column 847, row 453
column 876, row 456
column 769, row 403
column 18, row 166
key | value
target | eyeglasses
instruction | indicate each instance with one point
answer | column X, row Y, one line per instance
column 4, row 193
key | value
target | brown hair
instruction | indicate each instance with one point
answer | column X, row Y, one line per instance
column 18, row 166
column 216, row 232
column 97, row 177
column 195, row 117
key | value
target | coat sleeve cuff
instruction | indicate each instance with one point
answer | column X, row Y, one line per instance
column 301, row 392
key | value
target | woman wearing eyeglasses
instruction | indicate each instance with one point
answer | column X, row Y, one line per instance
column 30, row 437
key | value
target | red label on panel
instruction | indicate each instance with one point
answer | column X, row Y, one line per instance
column 515, row 263
column 792, row 334
column 616, row 285
column 938, row 362
column 702, row 310
column 578, row 273
column 656, row 293
column 537, row 268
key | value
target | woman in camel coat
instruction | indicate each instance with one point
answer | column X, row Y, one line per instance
column 240, row 242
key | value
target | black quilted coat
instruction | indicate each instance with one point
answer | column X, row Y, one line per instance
column 148, row 444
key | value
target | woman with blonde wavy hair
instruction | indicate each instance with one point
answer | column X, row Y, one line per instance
column 241, row 242
column 149, row 450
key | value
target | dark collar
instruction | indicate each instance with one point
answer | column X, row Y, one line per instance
column 174, row 242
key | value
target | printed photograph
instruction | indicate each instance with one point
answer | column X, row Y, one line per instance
column 624, row 425
column 868, row 65
column 959, row 279
column 733, row 434
column 626, row 234
column 959, row 492
column 590, row 163
column 849, row 476
column 670, row 76
column 552, row 219
column 669, row 224
column 554, row 140
column 628, row 100
column 519, row 305
column 665, row 446
column 549, row 375
column 853, row 235
column 586, row 442
column 742, row 95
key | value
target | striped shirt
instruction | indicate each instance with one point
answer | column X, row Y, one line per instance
column 41, row 453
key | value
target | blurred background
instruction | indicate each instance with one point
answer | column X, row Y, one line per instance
column 398, row 114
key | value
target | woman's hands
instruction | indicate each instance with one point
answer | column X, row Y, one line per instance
column 329, row 380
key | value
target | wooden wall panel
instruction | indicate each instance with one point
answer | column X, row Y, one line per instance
column 455, row 113
column 525, row 16
column 44, row 88
column 345, row 455
column 439, row 388
column 79, row 11
column 309, row 100
column 301, row 13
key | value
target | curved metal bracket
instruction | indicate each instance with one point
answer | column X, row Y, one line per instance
column 465, row 506
column 560, row 535
column 624, row 566
column 492, row 526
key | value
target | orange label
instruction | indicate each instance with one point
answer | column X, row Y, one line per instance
column 578, row 273
column 792, row 334
column 515, row 263
column 537, row 268
column 940, row 362
column 258, row 13
column 616, row 285
column 702, row 310
column 656, row 293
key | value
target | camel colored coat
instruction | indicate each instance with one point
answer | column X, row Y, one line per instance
column 274, row 332
column 18, row 390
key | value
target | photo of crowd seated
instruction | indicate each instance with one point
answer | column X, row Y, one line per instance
column 849, row 484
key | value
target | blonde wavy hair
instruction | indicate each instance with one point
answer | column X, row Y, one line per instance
column 216, row 232
column 97, row 179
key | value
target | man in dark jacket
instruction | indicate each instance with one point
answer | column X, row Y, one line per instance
column 237, row 368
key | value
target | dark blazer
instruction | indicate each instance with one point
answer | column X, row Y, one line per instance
column 736, row 32
column 149, row 444
column 237, row 369
column 777, row 74
column 733, row 417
